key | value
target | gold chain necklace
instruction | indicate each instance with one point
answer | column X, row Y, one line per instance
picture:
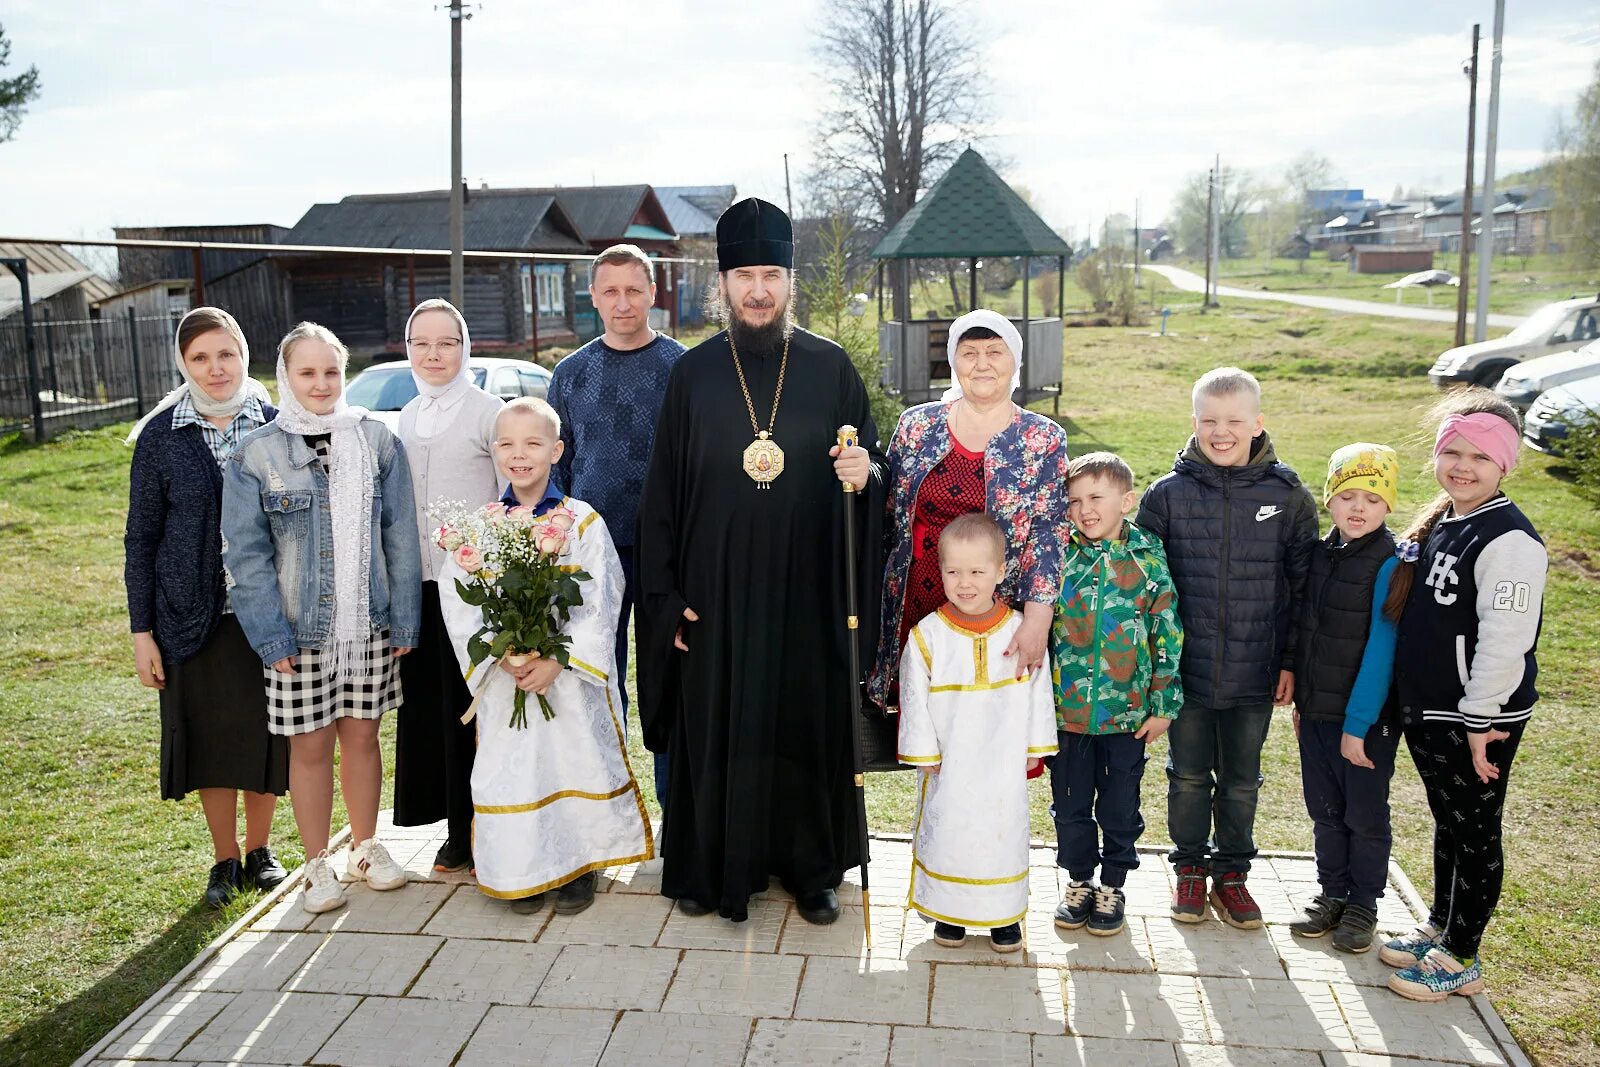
column 763, row 460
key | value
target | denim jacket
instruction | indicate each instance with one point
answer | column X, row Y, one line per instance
column 275, row 518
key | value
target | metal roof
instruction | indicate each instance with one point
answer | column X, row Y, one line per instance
column 970, row 211
column 603, row 213
column 693, row 210
column 41, row 286
column 496, row 220
column 53, row 259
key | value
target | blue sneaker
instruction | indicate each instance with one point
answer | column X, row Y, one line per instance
column 1408, row 950
column 1437, row 976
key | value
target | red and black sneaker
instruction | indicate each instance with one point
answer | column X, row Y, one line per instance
column 1189, row 899
column 1233, row 901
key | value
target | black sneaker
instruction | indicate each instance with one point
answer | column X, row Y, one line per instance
column 1356, row 927
column 949, row 934
column 453, row 856
column 1321, row 917
column 1077, row 901
column 1006, row 938
column 577, row 894
column 225, row 883
column 1109, row 908
column 528, row 905
column 262, row 868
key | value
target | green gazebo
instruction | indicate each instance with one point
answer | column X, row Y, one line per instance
column 970, row 213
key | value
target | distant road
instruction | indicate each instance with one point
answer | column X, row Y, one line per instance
column 1190, row 282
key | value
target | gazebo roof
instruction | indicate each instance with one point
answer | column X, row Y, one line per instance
column 970, row 211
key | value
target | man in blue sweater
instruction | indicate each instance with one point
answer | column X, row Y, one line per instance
column 608, row 394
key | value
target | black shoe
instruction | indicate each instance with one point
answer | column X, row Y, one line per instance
column 1077, row 903
column 949, row 934
column 1110, row 906
column 225, row 883
column 262, row 868
column 528, row 905
column 453, row 856
column 1356, row 927
column 1322, row 916
column 1006, row 938
column 693, row 908
column 577, row 894
column 818, row 909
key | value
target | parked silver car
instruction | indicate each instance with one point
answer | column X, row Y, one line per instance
column 1554, row 414
column 1558, row 327
column 1523, row 383
column 385, row 388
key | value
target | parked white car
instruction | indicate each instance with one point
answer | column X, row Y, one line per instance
column 1523, row 383
column 1554, row 414
column 1558, row 327
column 385, row 388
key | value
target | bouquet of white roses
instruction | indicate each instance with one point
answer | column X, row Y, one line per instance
column 514, row 575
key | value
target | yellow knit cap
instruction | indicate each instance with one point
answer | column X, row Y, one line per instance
column 1374, row 468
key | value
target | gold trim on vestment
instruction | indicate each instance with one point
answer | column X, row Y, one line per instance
column 1044, row 750
column 1005, row 617
column 967, row 922
column 588, row 520
column 1008, row 880
column 922, row 646
column 574, row 661
column 914, row 760
column 638, row 796
column 980, row 688
column 521, row 809
column 597, row 865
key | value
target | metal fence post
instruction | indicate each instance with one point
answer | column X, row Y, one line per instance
column 19, row 267
column 138, row 372
column 50, row 358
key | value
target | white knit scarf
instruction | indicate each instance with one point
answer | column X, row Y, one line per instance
column 350, row 492
column 440, row 396
column 202, row 400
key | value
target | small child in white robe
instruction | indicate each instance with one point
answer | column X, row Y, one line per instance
column 555, row 801
column 975, row 729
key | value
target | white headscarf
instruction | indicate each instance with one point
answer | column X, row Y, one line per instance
column 436, row 397
column 992, row 320
column 350, row 491
column 202, row 400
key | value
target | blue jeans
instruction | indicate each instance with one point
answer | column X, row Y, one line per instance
column 625, row 555
column 1214, row 771
column 1094, row 789
column 1349, row 808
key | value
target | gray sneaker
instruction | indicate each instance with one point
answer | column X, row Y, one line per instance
column 1321, row 917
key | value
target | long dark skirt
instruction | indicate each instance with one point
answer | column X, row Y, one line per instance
column 214, row 721
column 433, row 751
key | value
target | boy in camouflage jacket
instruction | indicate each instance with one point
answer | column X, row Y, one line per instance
column 1115, row 646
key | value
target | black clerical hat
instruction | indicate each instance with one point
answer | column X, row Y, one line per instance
column 754, row 233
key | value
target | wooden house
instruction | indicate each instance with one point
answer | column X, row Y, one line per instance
column 613, row 214
column 366, row 299
column 61, row 287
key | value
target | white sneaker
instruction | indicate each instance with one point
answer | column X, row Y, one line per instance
column 320, row 889
column 372, row 862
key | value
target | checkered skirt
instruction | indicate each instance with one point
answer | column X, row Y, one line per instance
column 311, row 698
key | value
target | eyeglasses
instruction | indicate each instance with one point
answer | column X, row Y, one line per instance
column 448, row 347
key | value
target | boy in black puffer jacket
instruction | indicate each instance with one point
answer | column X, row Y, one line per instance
column 1238, row 528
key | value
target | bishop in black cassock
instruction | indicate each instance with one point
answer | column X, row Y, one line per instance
column 743, row 663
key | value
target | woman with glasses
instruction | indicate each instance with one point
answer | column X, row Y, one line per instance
column 448, row 433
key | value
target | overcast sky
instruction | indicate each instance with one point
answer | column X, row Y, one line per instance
column 237, row 111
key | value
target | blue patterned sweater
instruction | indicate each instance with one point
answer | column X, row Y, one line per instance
column 608, row 402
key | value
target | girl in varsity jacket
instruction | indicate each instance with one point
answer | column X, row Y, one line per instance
column 1470, row 595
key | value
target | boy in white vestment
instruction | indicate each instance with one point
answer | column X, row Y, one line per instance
column 975, row 729
column 555, row 801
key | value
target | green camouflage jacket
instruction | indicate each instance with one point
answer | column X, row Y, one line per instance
column 1116, row 639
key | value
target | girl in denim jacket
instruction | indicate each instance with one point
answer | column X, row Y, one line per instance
column 321, row 547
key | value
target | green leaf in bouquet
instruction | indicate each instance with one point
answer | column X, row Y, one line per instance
column 513, row 582
column 501, row 644
column 477, row 647
column 470, row 594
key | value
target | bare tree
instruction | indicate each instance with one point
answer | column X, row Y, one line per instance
column 1236, row 195
column 1308, row 171
column 1577, row 178
column 15, row 92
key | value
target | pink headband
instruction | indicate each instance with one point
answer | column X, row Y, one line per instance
column 1489, row 434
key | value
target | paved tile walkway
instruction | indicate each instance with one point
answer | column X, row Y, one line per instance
column 436, row 973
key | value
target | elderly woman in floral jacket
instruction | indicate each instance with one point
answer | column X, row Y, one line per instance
column 974, row 450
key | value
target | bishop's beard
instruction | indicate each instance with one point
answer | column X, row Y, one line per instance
column 764, row 339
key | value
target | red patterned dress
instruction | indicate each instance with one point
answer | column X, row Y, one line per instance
column 952, row 489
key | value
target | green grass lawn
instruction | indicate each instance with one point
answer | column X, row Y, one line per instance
column 100, row 880
column 1518, row 285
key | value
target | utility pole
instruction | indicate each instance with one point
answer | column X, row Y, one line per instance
column 788, row 195
column 1211, row 194
column 1480, row 324
column 1466, row 194
column 1138, row 254
column 457, row 193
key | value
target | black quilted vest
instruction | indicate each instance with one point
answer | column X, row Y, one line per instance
column 1335, row 617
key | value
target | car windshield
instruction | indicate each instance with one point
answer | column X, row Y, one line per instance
column 1540, row 324
column 389, row 388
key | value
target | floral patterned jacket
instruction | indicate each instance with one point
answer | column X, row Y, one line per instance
column 1116, row 639
column 1025, row 483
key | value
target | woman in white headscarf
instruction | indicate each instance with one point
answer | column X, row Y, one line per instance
column 187, row 643
column 974, row 450
column 448, row 432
